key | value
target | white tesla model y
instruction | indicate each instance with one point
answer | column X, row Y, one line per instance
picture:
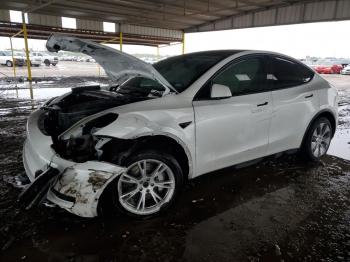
column 159, row 125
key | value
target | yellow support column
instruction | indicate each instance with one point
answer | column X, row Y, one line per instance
column 183, row 42
column 14, row 66
column 158, row 55
column 121, row 40
column 27, row 56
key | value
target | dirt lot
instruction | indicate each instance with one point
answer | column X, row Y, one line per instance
column 279, row 209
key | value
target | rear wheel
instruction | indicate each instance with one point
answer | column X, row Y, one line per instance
column 317, row 139
column 46, row 62
column 149, row 185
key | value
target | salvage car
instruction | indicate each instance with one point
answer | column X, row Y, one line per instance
column 6, row 59
column 138, row 140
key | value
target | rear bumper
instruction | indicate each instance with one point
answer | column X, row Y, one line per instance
column 78, row 186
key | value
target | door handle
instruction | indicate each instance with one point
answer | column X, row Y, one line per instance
column 308, row 96
column 263, row 104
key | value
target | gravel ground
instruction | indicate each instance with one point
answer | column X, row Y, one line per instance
column 280, row 209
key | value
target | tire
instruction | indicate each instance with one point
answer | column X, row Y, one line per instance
column 137, row 197
column 54, row 64
column 9, row 63
column 317, row 139
column 47, row 62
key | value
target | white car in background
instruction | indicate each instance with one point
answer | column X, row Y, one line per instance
column 34, row 60
column 136, row 142
column 6, row 59
column 345, row 70
column 46, row 58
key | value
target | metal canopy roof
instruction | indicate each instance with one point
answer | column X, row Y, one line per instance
column 171, row 14
column 182, row 15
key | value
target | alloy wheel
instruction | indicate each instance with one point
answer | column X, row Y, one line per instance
column 146, row 186
column 320, row 140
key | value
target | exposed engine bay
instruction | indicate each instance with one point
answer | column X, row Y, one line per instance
column 63, row 112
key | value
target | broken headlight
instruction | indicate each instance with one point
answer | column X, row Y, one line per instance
column 89, row 127
column 94, row 125
column 79, row 143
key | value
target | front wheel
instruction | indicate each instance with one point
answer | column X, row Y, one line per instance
column 317, row 139
column 9, row 63
column 149, row 184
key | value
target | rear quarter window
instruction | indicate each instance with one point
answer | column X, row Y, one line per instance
column 284, row 73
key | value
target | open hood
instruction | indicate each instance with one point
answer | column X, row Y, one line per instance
column 115, row 63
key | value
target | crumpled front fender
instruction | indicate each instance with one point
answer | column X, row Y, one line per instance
column 80, row 186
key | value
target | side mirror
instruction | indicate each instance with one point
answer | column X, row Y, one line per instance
column 220, row 91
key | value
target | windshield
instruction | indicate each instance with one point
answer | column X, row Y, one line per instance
column 182, row 71
column 141, row 87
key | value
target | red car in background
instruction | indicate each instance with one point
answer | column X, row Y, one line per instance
column 328, row 69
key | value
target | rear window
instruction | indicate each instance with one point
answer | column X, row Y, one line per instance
column 283, row 73
column 182, row 71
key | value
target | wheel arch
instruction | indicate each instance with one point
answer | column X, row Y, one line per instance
column 159, row 142
column 323, row 113
column 117, row 149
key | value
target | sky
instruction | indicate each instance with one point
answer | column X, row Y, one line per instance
column 326, row 39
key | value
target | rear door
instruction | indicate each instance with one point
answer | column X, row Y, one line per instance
column 295, row 100
column 234, row 129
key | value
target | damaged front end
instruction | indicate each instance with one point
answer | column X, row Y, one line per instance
column 70, row 172
column 63, row 157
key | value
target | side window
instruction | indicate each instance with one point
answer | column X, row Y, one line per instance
column 284, row 73
column 1, row 53
column 244, row 77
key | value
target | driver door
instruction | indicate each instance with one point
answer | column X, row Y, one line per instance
column 234, row 129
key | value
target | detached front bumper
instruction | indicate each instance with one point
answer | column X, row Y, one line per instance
column 77, row 186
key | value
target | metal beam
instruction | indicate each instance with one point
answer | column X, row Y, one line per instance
column 37, row 7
